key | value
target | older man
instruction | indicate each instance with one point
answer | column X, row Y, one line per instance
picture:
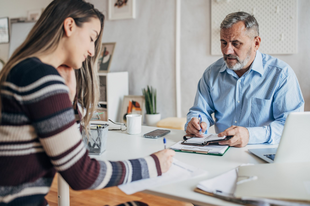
column 250, row 93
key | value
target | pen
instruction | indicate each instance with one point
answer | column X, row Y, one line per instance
column 164, row 142
column 200, row 119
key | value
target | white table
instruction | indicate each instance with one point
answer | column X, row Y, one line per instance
column 121, row 146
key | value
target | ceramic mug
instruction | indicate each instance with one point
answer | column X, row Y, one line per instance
column 133, row 123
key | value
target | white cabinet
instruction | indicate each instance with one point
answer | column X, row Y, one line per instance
column 112, row 86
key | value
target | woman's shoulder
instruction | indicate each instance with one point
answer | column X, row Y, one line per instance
column 29, row 71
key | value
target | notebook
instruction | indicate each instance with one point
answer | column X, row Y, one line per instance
column 210, row 149
column 207, row 139
column 294, row 144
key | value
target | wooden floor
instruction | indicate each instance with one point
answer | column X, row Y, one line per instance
column 110, row 196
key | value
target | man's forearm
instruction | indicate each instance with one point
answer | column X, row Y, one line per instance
column 270, row 134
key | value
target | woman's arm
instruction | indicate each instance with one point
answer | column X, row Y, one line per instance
column 52, row 116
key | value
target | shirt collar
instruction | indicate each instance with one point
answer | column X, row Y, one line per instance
column 256, row 66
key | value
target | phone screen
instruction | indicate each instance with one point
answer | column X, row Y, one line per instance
column 156, row 133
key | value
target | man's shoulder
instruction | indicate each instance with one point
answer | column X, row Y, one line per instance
column 275, row 63
column 282, row 68
column 216, row 66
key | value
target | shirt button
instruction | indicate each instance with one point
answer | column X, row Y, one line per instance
column 238, row 101
column 235, row 121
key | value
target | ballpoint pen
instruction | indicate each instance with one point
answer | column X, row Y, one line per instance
column 200, row 119
column 164, row 142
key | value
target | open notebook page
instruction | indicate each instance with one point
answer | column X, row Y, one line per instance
column 205, row 138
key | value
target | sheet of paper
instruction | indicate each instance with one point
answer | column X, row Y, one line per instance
column 213, row 149
column 178, row 171
column 205, row 138
column 225, row 183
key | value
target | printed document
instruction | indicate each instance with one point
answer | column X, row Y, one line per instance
column 178, row 171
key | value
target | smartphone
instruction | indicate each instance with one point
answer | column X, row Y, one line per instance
column 156, row 133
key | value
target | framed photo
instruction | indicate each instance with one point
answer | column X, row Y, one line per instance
column 122, row 9
column 4, row 30
column 132, row 105
column 34, row 15
column 105, row 57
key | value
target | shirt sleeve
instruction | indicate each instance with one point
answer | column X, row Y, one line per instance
column 287, row 98
column 203, row 104
column 45, row 99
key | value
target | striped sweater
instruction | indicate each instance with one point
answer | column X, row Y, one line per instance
column 39, row 136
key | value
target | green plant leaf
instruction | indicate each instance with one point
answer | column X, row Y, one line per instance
column 150, row 96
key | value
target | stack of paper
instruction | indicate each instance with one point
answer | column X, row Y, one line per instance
column 289, row 182
column 240, row 186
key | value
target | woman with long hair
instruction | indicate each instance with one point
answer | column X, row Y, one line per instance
column 52, row 70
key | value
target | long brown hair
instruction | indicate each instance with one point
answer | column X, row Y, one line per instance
column 45, row 37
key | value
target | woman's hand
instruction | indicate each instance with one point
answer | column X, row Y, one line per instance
column 165, row 158
column 69, row 76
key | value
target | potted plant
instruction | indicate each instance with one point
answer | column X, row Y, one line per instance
column 151, row 117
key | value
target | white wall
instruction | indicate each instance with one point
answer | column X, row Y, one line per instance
column 145, row 46
column 17, row 9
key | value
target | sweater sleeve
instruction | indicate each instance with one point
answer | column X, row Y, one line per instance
column 45, row 99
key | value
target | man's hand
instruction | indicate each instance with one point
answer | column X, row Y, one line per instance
column 193, row 127
column 240, row 136
column 69, row 76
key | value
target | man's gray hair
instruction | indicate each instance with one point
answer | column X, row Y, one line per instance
column 249, row 21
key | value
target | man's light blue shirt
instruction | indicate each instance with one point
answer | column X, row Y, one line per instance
column 259, row 100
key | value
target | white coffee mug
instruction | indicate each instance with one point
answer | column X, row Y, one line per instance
column 133, row 123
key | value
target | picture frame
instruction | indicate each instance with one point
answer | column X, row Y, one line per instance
column 132, row 104
column 105, row 57
column 4, row 30
column 122, row 9
column 34, row 15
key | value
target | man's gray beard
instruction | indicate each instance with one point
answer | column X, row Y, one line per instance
column 240, row 65
column 236, row 67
